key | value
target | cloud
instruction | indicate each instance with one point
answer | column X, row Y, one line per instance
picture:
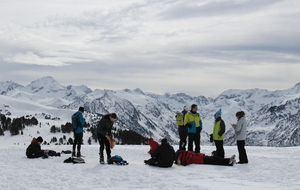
column 209, row 8
column 33, row 59
column 152, row 44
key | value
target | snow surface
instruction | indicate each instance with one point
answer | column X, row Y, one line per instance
column 269, row 168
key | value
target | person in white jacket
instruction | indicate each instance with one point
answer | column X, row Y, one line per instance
column 240, row 134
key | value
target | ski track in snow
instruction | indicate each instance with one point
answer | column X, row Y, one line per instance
column 268, row 168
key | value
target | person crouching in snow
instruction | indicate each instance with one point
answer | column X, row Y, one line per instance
column 153, row 144
column 163, row 156
column 34, row 149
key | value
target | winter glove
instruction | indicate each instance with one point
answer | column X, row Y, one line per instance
column 188, row 125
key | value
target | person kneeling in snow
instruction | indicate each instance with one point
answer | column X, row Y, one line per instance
column 34, row 149
column 163, row 156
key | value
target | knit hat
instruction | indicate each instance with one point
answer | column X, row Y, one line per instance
column 218, row 113
column 186, row 108
column 39, row 139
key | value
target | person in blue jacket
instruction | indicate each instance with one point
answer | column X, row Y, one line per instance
column 78, row 131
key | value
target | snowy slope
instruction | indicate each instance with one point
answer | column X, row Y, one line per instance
column 268, row 169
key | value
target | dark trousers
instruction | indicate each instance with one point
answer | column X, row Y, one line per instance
column 77, row 141
column 182, row 135
column 37, row 155
column 152, row 162
column 242, row 151
column 194, row 138
column 220, row 148
column 103, row 142
column 216, row 161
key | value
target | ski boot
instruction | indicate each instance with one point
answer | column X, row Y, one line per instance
column 101, row 160
column 232, row 160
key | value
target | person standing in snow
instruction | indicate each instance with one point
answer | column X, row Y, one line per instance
column 34, row 149
column 78, row 131
column 104, row 134
column 182, row 129
column 193, row 122
column 218, row 133
column 163, row 156
column 240, row 129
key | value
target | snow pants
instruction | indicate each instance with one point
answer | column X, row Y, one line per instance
column 77, row 141
column 183, row 132
column 214, row 160
column 220, row 148
column 104, row 143
column 242, row 152
column 194, row 138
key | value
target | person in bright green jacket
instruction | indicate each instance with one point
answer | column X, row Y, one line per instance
column 193, row 122
column 182, row 129
column 218, row 133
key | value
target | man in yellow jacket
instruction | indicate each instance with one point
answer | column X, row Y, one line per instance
column 193, row 122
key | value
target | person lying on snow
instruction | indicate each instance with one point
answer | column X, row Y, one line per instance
column 34, row 149
column 189, row 157
column 163, row 156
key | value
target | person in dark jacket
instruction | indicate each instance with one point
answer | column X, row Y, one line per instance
column 78, row 132
column 104, row 134
column 34, row 149
column 163, row 156
column 218, row 133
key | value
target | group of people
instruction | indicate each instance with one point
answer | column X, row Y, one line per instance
column 190, row 126
column 103, row 134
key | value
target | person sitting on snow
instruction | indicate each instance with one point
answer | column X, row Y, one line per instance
column 163, row 156
column 34, row 149
column 153, row 144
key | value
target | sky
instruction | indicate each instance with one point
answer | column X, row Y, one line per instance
column 193, row 47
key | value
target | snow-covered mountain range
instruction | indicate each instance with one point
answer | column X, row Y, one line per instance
column 273, row 116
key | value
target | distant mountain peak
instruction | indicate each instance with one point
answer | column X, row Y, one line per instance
column 46, row 83
column 8, row 86
column 46, row 79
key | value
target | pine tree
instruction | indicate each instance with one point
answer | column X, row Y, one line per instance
column 53, row 129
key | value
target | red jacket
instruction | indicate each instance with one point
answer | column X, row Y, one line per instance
column 195, row 158
column 153, row 145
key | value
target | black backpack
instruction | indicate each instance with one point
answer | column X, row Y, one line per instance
column 74, row 160
column 75, row 121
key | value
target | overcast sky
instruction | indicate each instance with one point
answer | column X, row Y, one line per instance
column 195, row 47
